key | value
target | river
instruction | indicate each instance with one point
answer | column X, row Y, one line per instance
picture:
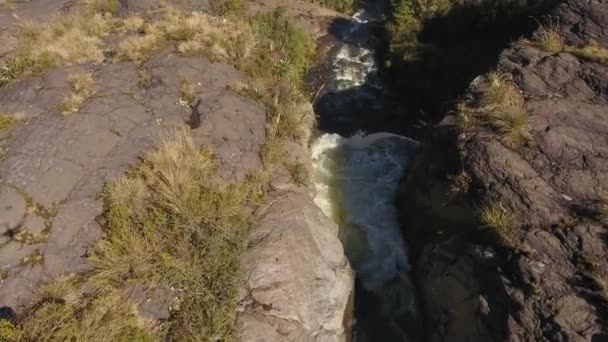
column 357, row 169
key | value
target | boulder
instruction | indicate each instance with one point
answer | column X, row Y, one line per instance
column 299, row 284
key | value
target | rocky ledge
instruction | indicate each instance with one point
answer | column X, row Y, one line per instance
column 55, row 159
column 517, row 224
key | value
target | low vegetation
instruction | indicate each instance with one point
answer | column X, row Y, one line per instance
column 405, row 23
column 171, row 223
column 194, row 33
column 511, row 124
column 65, row 40
column 592, row 51
column 500, row 221
column 81, row 87
column 6, row 4
column 551, row 39
column 603, row 213
column 187, row 92
column 227, row 7
column 277, row 65
column 342, row 6
column 8, row 120
column 500, row 107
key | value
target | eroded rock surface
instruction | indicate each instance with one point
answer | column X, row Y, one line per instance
column 299, row 284
column 55, row 166
column 551, row 285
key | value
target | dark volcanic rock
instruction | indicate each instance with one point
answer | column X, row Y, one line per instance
column 553, row 285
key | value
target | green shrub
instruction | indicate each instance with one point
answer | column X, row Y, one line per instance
column 285, row 49
column 405, row 22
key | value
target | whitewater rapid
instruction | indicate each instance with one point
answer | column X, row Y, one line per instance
column 356, row 181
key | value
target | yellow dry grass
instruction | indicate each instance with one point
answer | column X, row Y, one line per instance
column 550, row 38
column 500, row 220
column 592, row 51
column 81, row 88
column 8, row 120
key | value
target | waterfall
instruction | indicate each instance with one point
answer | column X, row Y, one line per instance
column 356, row 179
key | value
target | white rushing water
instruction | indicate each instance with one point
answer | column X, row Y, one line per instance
column 356, row 178
column 354, row 65
column 356, row 181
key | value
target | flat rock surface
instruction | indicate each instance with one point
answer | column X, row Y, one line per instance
column 55, row 166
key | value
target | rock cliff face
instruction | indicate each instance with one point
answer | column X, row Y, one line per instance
column 299, row 284
column 551, row 283
column 53, row 167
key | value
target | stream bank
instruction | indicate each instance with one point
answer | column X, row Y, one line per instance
column 362, row 98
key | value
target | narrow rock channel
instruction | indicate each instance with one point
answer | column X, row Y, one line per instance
column 357, row 167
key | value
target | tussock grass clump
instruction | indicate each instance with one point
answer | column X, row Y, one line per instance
column 193, row 33
column 550, row 38
column 502, row 108
column 187, row 92
column 499, row 91
column 104, row 6
column 8, row 120
column 6, row 4
column 65, row 40
column 500, row 220
column 511, row 124
column 140, row 47
column 297, row 171
column 227, row 7
column 81, row 88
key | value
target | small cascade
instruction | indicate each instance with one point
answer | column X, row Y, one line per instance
column 356, row 178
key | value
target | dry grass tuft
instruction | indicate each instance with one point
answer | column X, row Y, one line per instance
column 592, row 51
column 65, row 40
column 187, row 92
column 8, row 120
column 500, row 220
column 103, row 6
column 550, row 39
column 193, row 33
column 603, row 213
column 299, row 174
column 512, row 126
column 6, row 4
column 81, row 88
column 499, row 91
column 133, row 23
column 466, row 117
column 141, row 47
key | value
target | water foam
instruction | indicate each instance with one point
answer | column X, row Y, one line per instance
column 356, row 180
